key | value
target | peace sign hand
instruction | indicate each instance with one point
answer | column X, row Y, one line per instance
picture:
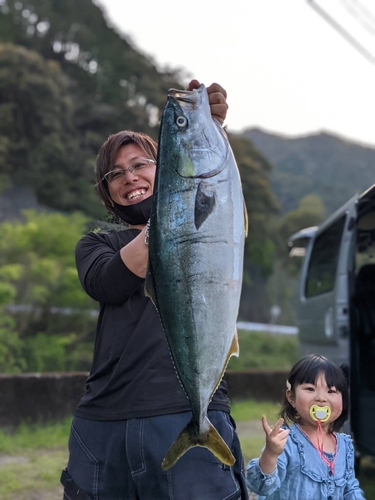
column 275, row 443
column 275, row 437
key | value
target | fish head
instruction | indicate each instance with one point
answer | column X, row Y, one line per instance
column 190, row 136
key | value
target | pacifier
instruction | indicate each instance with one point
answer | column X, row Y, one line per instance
column 320, row 413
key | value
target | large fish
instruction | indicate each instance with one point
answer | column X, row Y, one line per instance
column 196, row 245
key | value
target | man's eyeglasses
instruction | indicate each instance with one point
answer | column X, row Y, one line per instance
column 117, row 175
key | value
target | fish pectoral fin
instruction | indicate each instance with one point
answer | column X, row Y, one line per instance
column 150, row 286
column 188, row 439
column 204, row 203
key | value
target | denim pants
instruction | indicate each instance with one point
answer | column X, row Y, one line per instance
column 121, row 460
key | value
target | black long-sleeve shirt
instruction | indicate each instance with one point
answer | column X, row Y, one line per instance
column 132, row 373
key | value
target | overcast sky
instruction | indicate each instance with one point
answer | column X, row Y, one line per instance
column 286, row 69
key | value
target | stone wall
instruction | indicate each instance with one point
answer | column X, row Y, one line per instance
column 42, row 397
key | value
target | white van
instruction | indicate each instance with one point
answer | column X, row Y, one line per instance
column 336, row 310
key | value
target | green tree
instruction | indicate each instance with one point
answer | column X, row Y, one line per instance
column 41, row 294
column 310, row 212
column 115, row 86
column 260, row 200
column 261, row 206
column 10, row 343
column 37, row 133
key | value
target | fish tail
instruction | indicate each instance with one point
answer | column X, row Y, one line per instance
column 188, row 439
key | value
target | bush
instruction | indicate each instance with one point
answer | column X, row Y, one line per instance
column 266, row 351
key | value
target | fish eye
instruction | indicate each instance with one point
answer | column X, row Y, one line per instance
column 181, row 121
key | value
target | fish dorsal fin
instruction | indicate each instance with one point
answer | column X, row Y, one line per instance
column 234, row 348
column 233, row 351
column 204, row 203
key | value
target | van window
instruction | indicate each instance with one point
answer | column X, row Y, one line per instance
column 321, row 271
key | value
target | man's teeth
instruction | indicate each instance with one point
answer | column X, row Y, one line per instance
column 134, row 194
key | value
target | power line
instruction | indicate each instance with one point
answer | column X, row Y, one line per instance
column 348, row 37
column 361, row 14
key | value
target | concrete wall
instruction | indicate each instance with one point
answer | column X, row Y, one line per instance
column 39, row 397
column 255, row 384
column 42, row 397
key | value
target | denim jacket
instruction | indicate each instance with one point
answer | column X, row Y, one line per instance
column 301, row 474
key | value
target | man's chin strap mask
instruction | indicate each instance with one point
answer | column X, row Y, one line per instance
column 134, row 214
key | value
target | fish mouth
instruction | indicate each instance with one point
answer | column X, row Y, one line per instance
column 190, row 97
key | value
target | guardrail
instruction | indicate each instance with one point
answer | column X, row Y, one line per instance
column 267, row 327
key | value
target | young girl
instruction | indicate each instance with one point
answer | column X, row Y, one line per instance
column 308, row 459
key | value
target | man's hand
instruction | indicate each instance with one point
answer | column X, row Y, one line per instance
column 217, row 98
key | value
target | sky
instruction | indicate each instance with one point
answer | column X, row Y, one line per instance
column 285, row 68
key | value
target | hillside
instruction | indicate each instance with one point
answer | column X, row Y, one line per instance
column 323, row 164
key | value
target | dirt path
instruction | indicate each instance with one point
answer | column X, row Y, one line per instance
column 253, row 428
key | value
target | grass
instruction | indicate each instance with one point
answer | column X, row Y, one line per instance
column 38, row 453
column 243, row 411
column 33, row 458
column 252, row 435
column 34, row 437
column 35, row 470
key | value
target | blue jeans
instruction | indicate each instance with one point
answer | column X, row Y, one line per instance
column 121, row 460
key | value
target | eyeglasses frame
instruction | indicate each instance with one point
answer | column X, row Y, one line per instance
column 130, row 169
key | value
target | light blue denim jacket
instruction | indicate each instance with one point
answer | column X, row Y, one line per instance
column 301, row 474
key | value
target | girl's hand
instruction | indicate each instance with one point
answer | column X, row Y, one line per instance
column 217, row 97
column 276, row 437
column 275, row 444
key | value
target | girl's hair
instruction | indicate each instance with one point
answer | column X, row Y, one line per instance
column 306, row 371
column 107, row 156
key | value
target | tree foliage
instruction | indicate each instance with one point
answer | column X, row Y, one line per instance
column 47, row 317
column 310, row 212
column 259, row 198
column 262, row 206
column 41, row 147
column 115, row 86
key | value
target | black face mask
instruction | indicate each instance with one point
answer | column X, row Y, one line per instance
column 134, row 214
